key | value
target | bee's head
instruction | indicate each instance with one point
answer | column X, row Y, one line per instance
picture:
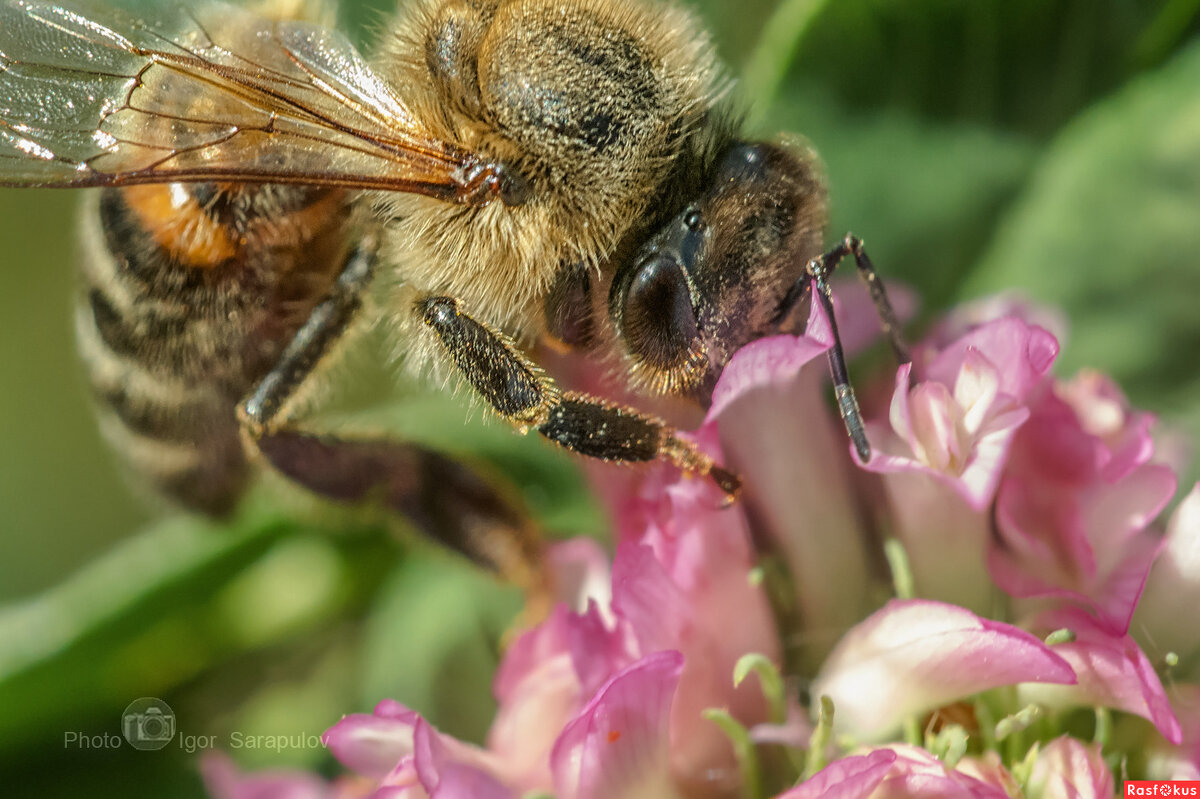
column 712, row 278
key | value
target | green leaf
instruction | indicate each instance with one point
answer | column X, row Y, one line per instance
column 87, row 643
column 1025, row 66
column 433, row 641
column 160, row 609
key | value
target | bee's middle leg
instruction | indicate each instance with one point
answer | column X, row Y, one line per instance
column 451, row 501
column 523, row 394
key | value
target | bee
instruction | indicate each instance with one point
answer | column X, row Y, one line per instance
column 502, row 174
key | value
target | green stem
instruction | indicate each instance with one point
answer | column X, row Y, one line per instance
column 1103, row 727
column 912, row 731
column 815, row 759
column 743, row 749
column 987, row 724
column 902, row 577
column 769, row 679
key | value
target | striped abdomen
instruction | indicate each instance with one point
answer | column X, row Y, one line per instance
column 190, row 293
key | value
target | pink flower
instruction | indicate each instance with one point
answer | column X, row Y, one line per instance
column 406, row 757
column 914, row 656
column 990, row 473
column 1078, row 496
column 770, row 413
column 618, row 746
column 957, row 423
column 1069, row 769
column 943, row 453
column 895, row 772
column 686, row 588
column 1112, row 671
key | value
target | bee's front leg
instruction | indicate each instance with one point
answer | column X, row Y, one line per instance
column 523, row 394
column 462, row 505
column 815, row 282
column 826, row 264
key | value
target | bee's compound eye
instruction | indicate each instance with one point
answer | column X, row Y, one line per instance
column 694, row 221
column 658, row 321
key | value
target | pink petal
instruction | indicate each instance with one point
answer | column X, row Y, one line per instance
column 769, row 361
column 858, row 321
column 978, row 481
column 373, row 745
column 854, row 777
column 976, row 389
column 799, row 488
column 707, row 609
column 971, row 315
column 1070, row 769
column 1112, row 672
column 776, row 432
column 581, row 572
column 1121, row 511
column 646, row 598
column 928, row 436
column 1088, row 543
column 1020, row 352
column 989, row 768
column 944, row 538
column 1179, row 762
column 599, row 650
column 450, row 770
column 934, row 420
column 1041, row 541
column 618, row 744
column 963, row 438
column 1104, row 414
column 908, row 772
column 1074, row 509
column 916, row 655
column 527, row 656
column 540, row 687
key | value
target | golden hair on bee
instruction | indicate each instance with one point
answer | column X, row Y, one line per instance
column 590, row 101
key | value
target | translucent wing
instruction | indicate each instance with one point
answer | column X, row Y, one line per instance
column 103, row 98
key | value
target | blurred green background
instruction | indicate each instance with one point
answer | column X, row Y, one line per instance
column 1046, row 146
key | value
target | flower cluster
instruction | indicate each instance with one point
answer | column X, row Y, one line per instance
column 985, row 608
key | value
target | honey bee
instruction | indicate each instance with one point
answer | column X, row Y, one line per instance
column 502, row 173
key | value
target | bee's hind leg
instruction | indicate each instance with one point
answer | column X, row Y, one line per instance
column 458, row 504
column 520, row 392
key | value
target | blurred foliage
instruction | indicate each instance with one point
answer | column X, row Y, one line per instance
column 1046, row 146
